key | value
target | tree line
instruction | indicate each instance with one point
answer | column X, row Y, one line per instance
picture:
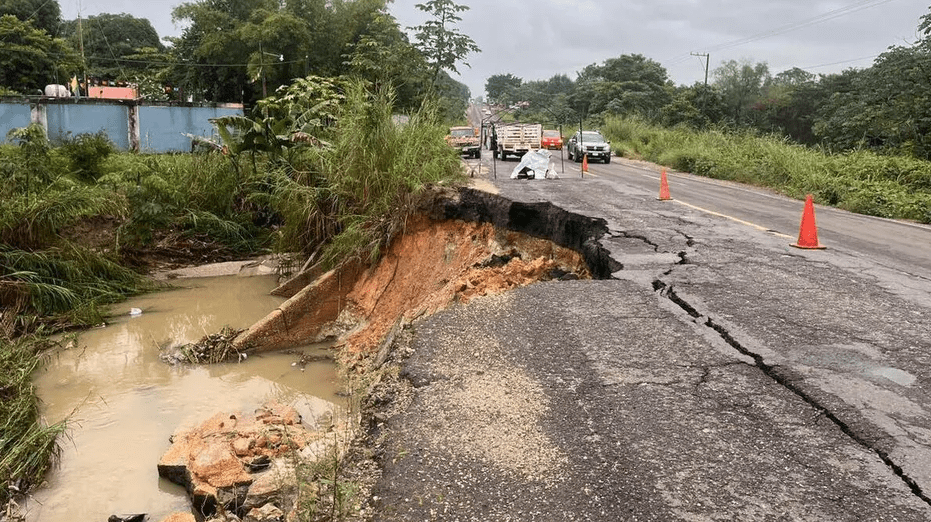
column 237, row 51
column 885, row 107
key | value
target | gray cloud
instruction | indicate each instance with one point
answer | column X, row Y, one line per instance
column 539, row 39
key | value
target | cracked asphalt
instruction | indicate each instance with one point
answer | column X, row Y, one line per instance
column 719, row 375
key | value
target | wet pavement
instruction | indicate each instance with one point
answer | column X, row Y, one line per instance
column 720, row 375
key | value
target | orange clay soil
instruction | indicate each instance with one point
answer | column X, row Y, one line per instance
column 437, row 263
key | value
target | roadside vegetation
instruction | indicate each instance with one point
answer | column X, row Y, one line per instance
column 862, row 181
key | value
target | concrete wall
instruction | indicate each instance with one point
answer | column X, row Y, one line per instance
column 130, row 124
column 162, row 128
column 64, row 121
column 13, row 116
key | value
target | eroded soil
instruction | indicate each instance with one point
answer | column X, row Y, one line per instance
column 437, row 263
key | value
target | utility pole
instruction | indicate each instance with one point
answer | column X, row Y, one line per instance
column 706, row 56
column 83, row 63
column 262, row 67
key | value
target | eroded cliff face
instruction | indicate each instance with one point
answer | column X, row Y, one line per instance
column 459, row 246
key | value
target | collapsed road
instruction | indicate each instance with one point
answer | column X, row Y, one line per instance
column 714, row 373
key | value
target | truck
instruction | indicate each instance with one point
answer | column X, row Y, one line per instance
column 466, row 140
column 516, row 139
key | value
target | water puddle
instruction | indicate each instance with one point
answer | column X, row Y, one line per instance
column 126, row 402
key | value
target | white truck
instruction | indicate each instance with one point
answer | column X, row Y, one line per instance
column 518, row 138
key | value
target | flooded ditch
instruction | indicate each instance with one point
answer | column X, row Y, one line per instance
column 124, row 402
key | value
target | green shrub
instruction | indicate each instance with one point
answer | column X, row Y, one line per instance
column 86, row 154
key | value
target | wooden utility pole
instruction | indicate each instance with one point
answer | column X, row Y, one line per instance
column 706, row 56
column 83, row 63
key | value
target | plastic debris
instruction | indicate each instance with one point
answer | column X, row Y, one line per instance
column 535, row 164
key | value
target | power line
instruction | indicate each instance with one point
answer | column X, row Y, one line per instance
column 830, row 15
column 838, row 63
column 162, row 62
column 824, row 17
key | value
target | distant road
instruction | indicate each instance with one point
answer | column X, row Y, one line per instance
column 901, row 246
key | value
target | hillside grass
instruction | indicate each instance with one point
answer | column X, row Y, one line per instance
column 859, row 181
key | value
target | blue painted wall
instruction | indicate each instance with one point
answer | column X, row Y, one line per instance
column 69, row 120
column 162, row 129
column 13, row 116
column 159, row 128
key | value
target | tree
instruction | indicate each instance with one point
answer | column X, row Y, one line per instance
column 234, row 50
column 383, row 55
column 788, row 105
column 43, row 14
column 630, row 84
column 501, row 88
column 741, row 84
column 697, row 106
column 31, row 59
column 442, row 44
column 110, row 40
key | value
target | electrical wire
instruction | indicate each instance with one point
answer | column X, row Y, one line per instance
column 824, row 17
column 163, row 62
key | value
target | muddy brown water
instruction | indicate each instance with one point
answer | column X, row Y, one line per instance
column 124, row 403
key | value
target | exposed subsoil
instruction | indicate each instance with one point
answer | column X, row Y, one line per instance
column 455, row 262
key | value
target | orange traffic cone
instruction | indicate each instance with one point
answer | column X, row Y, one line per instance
column 585, row 163
column 663, row 188
column 808, row 232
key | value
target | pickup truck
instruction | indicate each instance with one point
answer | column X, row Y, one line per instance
column 466, row 140
column 518, row 138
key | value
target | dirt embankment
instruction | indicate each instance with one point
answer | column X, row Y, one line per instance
column 462, row 244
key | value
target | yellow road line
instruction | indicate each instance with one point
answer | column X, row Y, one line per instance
column 732, row 218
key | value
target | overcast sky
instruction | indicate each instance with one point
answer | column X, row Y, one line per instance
column 536, row 39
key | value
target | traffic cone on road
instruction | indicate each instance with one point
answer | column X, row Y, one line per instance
column 584, row 162
column 663, row 188
column 808, row 232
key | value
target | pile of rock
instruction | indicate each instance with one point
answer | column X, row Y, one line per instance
column 245, row 468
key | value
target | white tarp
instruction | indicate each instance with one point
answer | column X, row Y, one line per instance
column 538, row 163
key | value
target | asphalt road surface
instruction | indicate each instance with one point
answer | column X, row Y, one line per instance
column 720, row 374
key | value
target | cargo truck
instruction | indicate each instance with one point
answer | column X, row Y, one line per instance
column 516, row 139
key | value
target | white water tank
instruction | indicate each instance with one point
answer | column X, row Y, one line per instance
column 57, row 91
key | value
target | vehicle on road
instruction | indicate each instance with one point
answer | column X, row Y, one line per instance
column 590, row 143
column 552, row 140
column 465, row 139
column 516, row 139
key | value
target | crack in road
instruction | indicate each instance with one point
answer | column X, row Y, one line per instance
column 772, row 371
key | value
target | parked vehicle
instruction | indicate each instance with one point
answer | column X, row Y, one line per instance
column 516, row 139
column 552, row 140
column 465, row 139
column 591, row 143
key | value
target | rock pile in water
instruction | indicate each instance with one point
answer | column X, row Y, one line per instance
column 244, row 466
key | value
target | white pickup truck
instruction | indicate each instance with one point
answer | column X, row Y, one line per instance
column 518, row 138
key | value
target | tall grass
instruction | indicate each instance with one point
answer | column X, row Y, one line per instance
column 191, row 195
column 31, row 221
column 65, row 285
column 353, row 196
column 860, row 181
column 27, row 446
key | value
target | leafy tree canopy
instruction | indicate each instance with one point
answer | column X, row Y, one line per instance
column 30, row 58
column 741, row 83
column 501, row 88
column 438, row 39
column 43, row 14
column 113, row 43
